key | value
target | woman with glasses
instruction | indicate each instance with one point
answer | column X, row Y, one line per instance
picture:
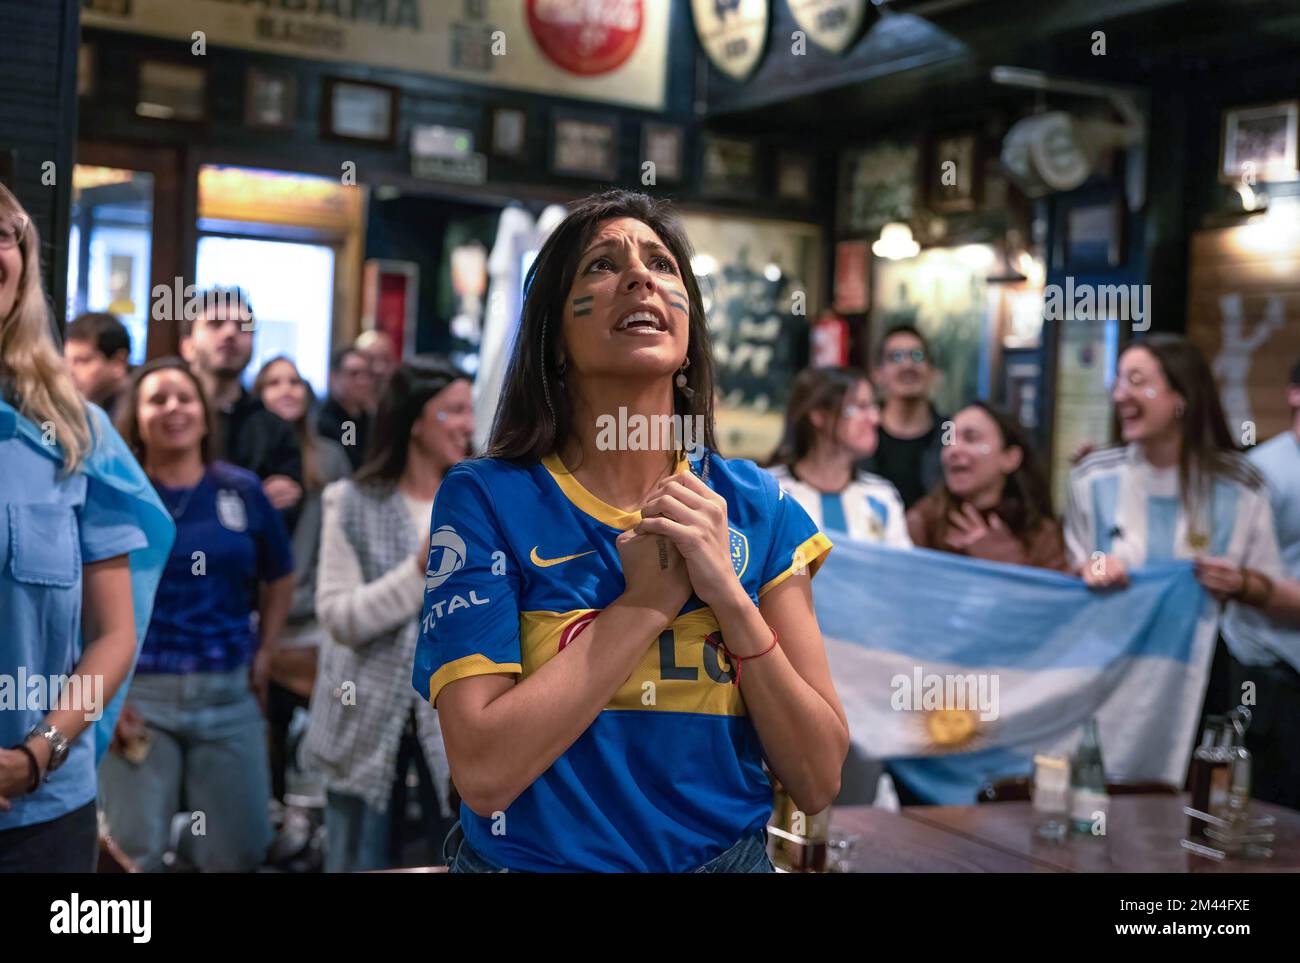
column 832, row 422
column 994, row 502
column 83, row 540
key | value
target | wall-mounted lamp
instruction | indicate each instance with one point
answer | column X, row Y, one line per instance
column 896, row 242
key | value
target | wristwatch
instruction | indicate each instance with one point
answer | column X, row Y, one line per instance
column 58, row 746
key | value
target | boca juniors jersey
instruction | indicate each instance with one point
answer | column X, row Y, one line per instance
column 670, row 773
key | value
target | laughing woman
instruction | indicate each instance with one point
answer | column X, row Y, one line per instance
column 1178, row 489
column 617, row 638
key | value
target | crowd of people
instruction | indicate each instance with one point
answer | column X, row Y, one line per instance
column 322, row 545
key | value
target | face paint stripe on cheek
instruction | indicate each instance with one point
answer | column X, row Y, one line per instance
column 579, row 311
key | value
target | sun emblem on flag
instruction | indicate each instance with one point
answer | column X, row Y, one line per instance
column 951, row 730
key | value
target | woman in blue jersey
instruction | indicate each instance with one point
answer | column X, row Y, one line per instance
column 831, row 423
column 73, row 508
column 1177, row 488
column 618, row 625
column 192, row 736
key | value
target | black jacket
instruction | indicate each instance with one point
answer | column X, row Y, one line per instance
column 329, row 424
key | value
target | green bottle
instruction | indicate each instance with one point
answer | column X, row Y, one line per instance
column 1088, row 782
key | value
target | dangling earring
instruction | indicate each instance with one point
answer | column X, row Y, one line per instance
column 562, row 367
column 680, row 380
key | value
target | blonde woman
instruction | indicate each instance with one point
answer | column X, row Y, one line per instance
column 82, row 539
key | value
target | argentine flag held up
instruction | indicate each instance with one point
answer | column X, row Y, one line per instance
column 957, row 670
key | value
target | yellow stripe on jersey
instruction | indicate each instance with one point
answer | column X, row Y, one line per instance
column 577, row 493
column 810, row 555
column 463, row 668
column 679, row 672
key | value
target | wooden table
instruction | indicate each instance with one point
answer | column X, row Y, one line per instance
column 894, row 843
column 1142, row 835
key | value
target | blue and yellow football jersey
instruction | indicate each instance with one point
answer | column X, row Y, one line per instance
column 670, row 773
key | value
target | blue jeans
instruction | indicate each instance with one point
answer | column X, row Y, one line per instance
column 356, row 834
column 207, row 755
column 747, row 856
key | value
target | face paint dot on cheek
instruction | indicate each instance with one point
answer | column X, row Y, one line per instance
column 1150, row 392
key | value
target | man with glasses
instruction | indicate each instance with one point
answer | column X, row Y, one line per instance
column 344, row 417
column 910, row 429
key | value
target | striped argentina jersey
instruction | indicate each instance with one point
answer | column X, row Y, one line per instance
column 670, row 773
column 869, row 508
column 1121, row 505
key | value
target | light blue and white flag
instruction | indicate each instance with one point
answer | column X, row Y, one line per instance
column 958, row 670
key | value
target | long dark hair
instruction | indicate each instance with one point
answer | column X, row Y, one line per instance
column 128, row 415
column 523, row 430
column 1207, row 448
column 813, row 389
column 304, row 428
column 1026, row 497
column 406, row 392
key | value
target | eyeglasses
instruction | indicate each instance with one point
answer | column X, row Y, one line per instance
column 852, row 410
column 898, row 357
column 11, row 234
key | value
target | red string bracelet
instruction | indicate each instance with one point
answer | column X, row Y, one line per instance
column 737, row 660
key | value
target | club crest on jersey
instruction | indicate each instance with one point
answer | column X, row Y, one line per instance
column 231, row 511
column 739, row 552
column 446, row 557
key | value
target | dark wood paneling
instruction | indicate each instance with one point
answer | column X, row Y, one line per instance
column 38, row 122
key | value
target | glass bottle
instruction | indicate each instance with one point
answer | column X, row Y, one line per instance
column 1202, row 775
column 1088, row 781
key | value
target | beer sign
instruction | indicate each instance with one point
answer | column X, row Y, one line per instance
column 732, row 33
column 831, row 24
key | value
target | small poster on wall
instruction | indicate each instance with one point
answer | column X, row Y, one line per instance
column 728, row 167
column 851, row 276
column 585, row 146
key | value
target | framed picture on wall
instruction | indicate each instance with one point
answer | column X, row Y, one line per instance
column 1260, row 142
column 359, row 111
column 794, row 176
column 509, row 126
column 662, row 145
column 585, row 145
column 728, row 167
column 878, row 185
column 1092, row 236
column 270, row 99
column 953, row 172
column 171, row 91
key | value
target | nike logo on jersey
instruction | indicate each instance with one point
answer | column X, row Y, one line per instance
column 548, row 562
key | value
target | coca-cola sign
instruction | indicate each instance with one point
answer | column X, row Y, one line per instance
column 586, row 37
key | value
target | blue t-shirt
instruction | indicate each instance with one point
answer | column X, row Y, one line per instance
column 51, row 525
column 670, row 773
column 228, row 538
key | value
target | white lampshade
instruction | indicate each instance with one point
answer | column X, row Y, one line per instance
column 895, row 242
